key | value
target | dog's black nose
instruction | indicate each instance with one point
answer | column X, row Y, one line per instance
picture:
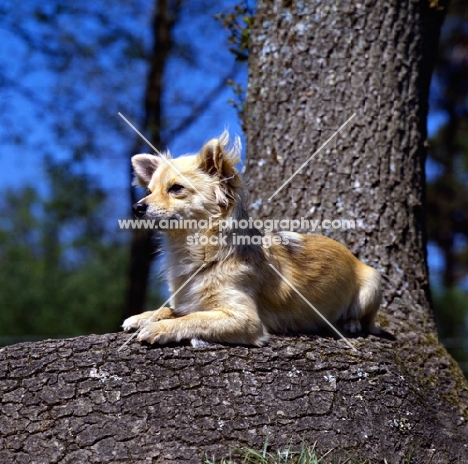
column 139, row 209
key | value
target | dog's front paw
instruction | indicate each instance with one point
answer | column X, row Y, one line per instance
column 132, row 323
column 156, row 332
column 138, row 321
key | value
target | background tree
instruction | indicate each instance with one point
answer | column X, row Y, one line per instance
column 448, row 183
column 144, row 245
column 65, row 75
column 60, row 273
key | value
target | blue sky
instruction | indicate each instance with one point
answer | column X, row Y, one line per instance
column 22, row 165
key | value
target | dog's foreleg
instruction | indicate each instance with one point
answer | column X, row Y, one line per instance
column 220, row 325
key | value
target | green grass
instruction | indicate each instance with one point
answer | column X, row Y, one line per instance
column 306, row 455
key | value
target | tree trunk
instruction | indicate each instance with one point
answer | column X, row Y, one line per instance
column 81, row 400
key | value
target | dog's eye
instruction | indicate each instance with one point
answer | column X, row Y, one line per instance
column 174, row 188
column 148, row 192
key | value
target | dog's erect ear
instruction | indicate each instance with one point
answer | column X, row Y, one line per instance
column 219, row 160
column 216, row 159
column 144, row 166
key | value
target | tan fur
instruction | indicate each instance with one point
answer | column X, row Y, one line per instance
column 237, row 297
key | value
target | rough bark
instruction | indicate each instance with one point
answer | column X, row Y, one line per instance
column 81, row 400
column 311, row 67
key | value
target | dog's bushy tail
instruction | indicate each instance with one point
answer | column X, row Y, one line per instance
column 369, row 300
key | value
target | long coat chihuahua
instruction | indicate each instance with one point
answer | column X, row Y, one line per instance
column 238, row 291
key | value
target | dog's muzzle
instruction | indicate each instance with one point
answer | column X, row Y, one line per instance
column 139, row 209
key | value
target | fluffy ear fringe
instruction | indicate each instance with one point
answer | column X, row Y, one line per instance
column 145, row 166
column 219, row 158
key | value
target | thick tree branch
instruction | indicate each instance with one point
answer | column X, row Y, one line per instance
column 81, row 400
